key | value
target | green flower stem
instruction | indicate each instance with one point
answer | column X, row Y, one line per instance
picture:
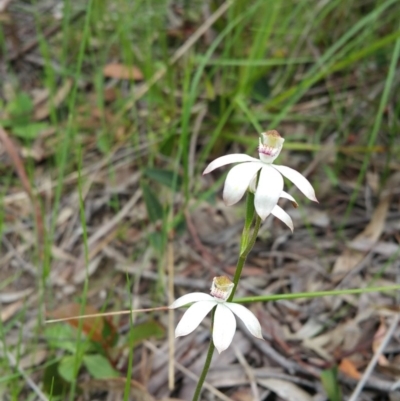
column 250, row 212
column 317, row 294
column 207, row 364
column 243, row 256
column 246, row 244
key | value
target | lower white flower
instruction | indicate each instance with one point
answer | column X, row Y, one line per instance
column 269, row 188
column 224, row 319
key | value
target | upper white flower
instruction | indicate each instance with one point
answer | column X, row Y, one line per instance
column 270, row 183
column 224, row 320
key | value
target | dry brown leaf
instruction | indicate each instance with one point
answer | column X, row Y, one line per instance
column 33, row 359
column 393, row 369
column 347, row 335
column 60, row 254
column 378, row 338
column 318, row 218
column 42, row 111
column 171, row 399
column 309, row 329
column 380, row 247
column 348, row 368
column 373, row 181
column 110, row 94
column 35, row 152
column 242, row 394
column 64, row 215
column 350, row 258
column 286, row 390
column 121, row 71
column 81, row 272
column 11, row 310
column 9, row 297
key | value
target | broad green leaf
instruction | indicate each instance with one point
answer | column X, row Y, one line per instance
column 66, row 368
column 20, row 108
column 146, row 330
column 165, row 177
column 168, row 145
column 103, row 143
column 331, row 384
column 53, row 383
column 153, row 205
column 61, row 336
column 99, row 366
column 157, row 241
column 29, row 131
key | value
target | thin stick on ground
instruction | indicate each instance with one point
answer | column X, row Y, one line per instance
column 92, row 315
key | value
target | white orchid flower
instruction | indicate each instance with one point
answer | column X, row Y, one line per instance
column 270, row 183
column 224, row 319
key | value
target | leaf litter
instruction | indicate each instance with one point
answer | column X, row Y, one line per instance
column 304, row 337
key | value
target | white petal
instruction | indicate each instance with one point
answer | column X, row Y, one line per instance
column 228, row 159
column 269, row 190
column 247, row 317
column 224, row 327
column 189, row 298
column 299, row 180
column 238, row 180
column 290, row 197
column 279, row 213
column 193, row 317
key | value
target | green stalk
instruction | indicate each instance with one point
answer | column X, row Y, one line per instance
column 246, row 244
column 243, row 256
column 316, row 294
column 247, row 222
column 207, row 364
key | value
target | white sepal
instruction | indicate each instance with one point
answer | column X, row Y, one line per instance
column 224, row 327
column 238, row 180
column 279, row 213
column 269, row 188
column 193, row 317
column 228, row 159
column 190, row 298
column 289, row 197
column 299, row 180
column 247, row 317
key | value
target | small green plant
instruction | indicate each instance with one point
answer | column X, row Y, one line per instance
column 17, row 117
column 94, row 353
column 93, row 350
